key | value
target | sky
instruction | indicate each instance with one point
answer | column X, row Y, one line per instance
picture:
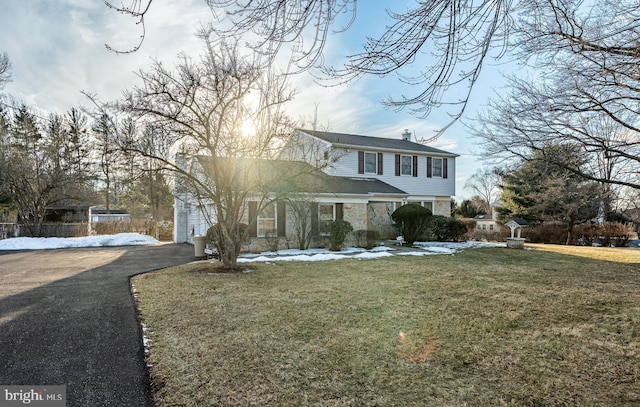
column 57, row 51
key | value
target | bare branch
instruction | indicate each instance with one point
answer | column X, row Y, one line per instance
column 137, row 10
column 5, row 69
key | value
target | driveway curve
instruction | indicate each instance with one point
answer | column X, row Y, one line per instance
column 67, row 317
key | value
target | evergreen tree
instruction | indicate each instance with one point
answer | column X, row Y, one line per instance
column 539, row 190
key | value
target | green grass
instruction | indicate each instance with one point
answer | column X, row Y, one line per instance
column 486, row 327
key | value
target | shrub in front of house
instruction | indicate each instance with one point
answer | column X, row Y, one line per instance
column 272, row 239
column 338, row 231
column 366, row 239
column 214, row 240
column 445, row 228
column 412, row 221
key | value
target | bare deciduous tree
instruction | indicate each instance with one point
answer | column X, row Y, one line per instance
column 484, row 185
column 204, row 106
column 302, row 210
column 586, row 93
column 37, row 165
column 458, row 36
column 528, row 119
column 136, row 10
column 108, row 156
column 5, row 69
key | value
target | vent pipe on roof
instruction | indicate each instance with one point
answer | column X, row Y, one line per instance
column 406, row 136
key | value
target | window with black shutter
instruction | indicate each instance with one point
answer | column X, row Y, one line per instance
column 282, row 219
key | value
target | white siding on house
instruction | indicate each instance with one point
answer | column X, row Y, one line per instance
column 347, row 166
column 181, row 218
column 304, row 147
column 180, row 222
column 189, row 219
column 435, row 192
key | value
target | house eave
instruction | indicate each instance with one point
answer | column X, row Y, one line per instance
column 362, row 197
column 395, row 150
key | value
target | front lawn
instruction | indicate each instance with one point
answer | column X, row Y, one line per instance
column 486, row 327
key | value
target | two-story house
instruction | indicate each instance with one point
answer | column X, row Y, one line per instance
column 362, row 180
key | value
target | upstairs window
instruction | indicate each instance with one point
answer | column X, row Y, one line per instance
column 437, row 167
column 370, row 163
column 405, row 165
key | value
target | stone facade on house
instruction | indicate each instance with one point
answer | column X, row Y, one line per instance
column 361, row 180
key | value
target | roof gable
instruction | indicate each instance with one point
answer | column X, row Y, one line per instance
column 369, row 142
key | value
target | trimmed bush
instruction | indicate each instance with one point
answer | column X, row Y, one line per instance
column 366, row 238
column 445, row 228
column 338, row 231
column 412, row 221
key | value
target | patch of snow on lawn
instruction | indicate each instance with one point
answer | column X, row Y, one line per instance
column 419, row 249
column 458, row 245
column 372, row 255
column 130, row 239
column 423, row 253
column 439, row 250
column 314, row 255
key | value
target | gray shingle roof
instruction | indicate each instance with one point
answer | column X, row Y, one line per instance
column 360, row 186
column 297, row 176
column 375, row 142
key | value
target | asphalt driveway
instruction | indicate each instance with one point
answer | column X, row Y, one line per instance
column 67, row 317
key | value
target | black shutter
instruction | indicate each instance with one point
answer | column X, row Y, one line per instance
column 445, row 170
column 339, row 211
column 397, row 165
column 282, row 219
column 415, row 165
column 360, row 162
column 314, row 219
column 429, row 169
column 380, row 163
column 253, row 216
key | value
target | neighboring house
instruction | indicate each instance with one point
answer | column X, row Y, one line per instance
column 108, row 215
column 67, row 214
column 60, row 221
column 367, row 179
column 486, row 223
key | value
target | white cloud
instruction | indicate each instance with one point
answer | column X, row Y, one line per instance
column 57, row 50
